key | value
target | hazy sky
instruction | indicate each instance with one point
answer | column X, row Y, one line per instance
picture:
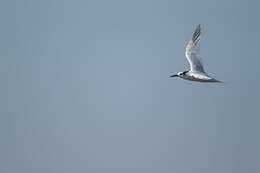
column 85, row 87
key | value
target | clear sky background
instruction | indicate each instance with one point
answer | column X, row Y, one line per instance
column 85, row 87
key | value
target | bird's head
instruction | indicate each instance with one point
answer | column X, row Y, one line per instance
column 179, row 74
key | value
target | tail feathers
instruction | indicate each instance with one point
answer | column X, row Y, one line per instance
column 215, row 80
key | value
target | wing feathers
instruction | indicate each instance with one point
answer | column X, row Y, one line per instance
column 196, row 34
column 192, row 52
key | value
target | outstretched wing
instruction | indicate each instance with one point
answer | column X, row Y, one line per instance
column 192, row 52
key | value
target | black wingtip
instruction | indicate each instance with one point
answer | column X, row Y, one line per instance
column 196, row 34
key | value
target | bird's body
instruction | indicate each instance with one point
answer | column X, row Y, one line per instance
column 196, row 72
column 196, row 76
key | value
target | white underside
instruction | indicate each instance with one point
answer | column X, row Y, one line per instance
column 198, row 76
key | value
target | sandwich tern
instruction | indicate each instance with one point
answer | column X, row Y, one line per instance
column 196, row 72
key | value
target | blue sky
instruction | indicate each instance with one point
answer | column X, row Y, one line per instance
column 85, row 87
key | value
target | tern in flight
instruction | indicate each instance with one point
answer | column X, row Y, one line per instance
column 196, row 72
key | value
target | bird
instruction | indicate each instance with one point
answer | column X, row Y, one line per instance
column 192, row 53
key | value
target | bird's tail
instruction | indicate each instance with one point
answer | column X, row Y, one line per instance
column 217, row 81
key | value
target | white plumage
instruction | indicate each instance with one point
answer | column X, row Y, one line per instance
column 196, row 72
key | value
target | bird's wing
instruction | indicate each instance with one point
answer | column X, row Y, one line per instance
column 192, row 52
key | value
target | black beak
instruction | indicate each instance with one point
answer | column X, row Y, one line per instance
column 175, row 75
